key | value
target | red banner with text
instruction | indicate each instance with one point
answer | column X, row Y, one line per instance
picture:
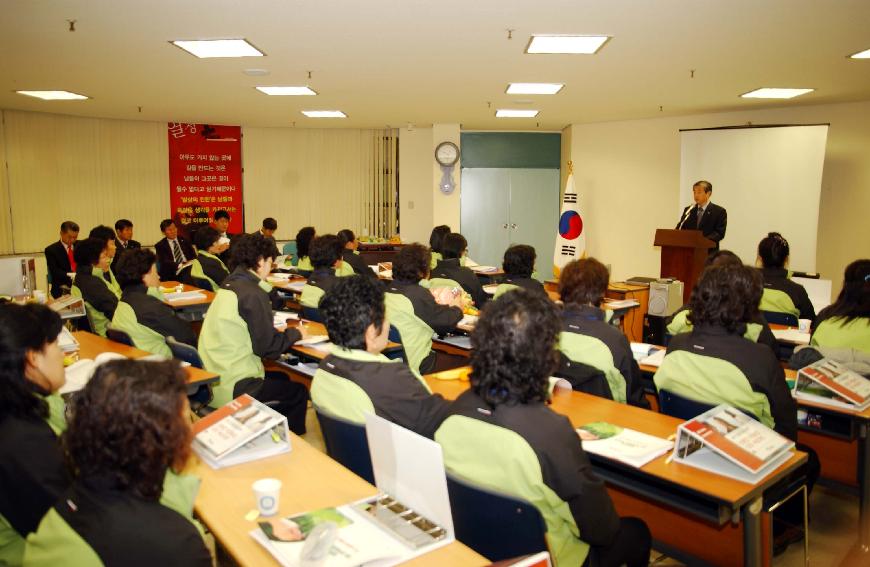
column 205, row 174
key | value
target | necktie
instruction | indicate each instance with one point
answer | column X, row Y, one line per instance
column 176, row 252
column 698, row 214
column 72, row 262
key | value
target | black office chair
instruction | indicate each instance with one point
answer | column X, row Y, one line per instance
column 184, row 352
column 777, row 318
column 198, row 396
column 397, row 353
column 494, row 524
column 346, row 442
column 677, row 406
column 119, row 336
column 312, row 314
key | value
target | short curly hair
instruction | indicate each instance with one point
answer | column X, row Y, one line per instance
column 773, row 250
column 249, row 249
column 128, row 423
column 583, row 282
column 354, row 303
column 514, row 348
column 411, row 263
column 325, row 251
column 133, row 266
column 726, row 296
column 303, row 240
column 87, row 252
column 519, row 261
column 205, row 237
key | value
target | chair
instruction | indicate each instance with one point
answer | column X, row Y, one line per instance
column 677, row 406
column 777, row 318
column 119, row 336
column 494, row 524
column 346, row 442
column 396, row 353
column 312, row 314
column 184, row 352
column 199, row 396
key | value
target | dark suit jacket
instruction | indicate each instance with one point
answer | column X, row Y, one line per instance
column 58, row 267
column 120, row 250
column 168, row 267
column 713, row 222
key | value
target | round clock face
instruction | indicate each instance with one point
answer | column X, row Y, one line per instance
column 447, row 153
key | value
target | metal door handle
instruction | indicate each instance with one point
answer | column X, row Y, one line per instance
column 513, row 225
column 504, row 225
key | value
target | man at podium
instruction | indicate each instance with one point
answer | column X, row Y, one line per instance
column 705, row 216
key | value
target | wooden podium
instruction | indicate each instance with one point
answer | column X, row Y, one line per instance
column 683, row 255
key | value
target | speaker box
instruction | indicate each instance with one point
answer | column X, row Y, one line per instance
column 665, row 297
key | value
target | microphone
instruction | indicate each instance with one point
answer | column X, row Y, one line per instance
column 685, row 216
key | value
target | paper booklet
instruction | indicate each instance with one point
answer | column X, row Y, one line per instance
column 624, row 445
column 655, row 359
column 830, row 383
column 66, row 341
column 726, row 441
column 642, row 350
column 184, row 295
column 279, row 318
column 482, row 269
column 410, row 515
column 243, row 430
column 183, row 266
column 793, row 336
column 620, row 303
column 79, row 373
column 68, row 306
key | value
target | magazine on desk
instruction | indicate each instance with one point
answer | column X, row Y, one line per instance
column 830, row 383
column 726, row 441
column 624, row 445
column 243, row 430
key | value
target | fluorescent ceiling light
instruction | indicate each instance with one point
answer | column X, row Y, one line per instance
column 534, row 88
column 586, row 44
column 513, row 113
column 770, row 92
column 861, row 55
column 324, row 114
column 54, row 95
column 208, row 48
column 286, row 91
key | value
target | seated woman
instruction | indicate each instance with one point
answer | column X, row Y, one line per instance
column 415, row 312
column 587, row 339
column 141, row 313
column 352, row 262
column 781, row 295
column 129, row 427
column 326, row 261
column 436, row 240
column 502, row 435
column 207, row 265
column 239, row 332
column 518, row 266
column 108, row 235
column 845, row 324
column 454, row 248
column 303, row 243
column 356, row 378
column 32, row 469
column 101, row 298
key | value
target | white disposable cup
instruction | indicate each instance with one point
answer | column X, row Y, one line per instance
column 39, row 296
column 804, row 325
column 267, row 492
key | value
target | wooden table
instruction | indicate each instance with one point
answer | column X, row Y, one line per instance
column 310, row 480
column 190, row 309
column 90, row 345
column 692, row 513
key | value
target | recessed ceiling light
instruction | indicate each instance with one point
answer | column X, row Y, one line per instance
column 324, row 114
column 286, row 91
column 585, row 44
column 772, row 92
column 861, row 55
column 208, row 48
column 515, row 113
column 54, row 95
column 256, row 72
column 534, row 88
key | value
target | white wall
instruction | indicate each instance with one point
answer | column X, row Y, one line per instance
column 415, row 184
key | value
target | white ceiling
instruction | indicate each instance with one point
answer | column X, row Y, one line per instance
column 394, row 62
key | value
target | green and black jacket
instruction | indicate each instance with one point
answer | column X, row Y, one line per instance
column 320, row 282
column 715, row 367
column 96, row 290
column 156, row 315
column 837, row 333
column 356, row 262
column 212, row 267
column 441, row 318
column 781, row 295
column 451, row 270
column 351, row 383
column 529, row 451
column 757, row 331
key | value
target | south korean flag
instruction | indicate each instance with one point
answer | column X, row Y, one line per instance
column 571, row 237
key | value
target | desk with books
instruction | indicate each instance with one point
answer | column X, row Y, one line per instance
column 191, row 302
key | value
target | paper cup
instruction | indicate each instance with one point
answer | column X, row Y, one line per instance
column 267, row 492
column 39, row 296
column 804, row 325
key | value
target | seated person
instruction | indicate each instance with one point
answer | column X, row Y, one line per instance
column 518, row 266
column 124, row 239
column 501, row 434
column 208, row 265
column 173, row 251
column 325, row 261
column 59, row 259
column 414, row 311
column 454, row 249
column 303, row 242
column 239, row 332
column 129, row 428
column 756, row 331
column 586, row 337
column 105, row 233
column 352, row 259
column 32, row 470
column 356, row 378
column 221, row 224
column 141, row 313
column 781, row 295
column 92, row 262
column 268, row 229
column 845, row 324
column 436, row 240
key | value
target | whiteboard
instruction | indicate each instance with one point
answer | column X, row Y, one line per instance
column 769, row 179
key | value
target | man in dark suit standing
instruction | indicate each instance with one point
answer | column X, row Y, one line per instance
column 709, row 218
column 59, row 259
column 172, row 251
